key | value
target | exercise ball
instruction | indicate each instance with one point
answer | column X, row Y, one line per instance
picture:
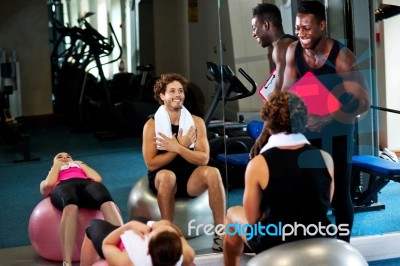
column 143, row 202
column 101, row 263
column 44, row 230
column 314, row 251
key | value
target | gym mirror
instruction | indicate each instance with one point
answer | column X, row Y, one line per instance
column 355, row 25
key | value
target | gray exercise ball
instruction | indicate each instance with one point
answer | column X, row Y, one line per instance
column 310, row 252
column 143, row 202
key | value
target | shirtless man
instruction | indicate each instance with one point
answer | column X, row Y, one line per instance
column 267, row 28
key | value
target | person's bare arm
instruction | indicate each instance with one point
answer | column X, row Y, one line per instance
column 256, row 178
column 153, row 160
column 47, row 184
column 290, row 74
column 329, row 164
column 354, row 84
column 279, row 58
column 200, row 154
column 113, row 254
column 187, row 252
column 189, row 138
column 90, row 172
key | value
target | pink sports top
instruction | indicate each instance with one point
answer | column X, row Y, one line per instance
column 69, row 171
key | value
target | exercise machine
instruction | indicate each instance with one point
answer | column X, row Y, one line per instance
column 229, row 88
column 222, row 132
column 83, row 99
column 111, row 108
column 225, row 136
column 370, row 174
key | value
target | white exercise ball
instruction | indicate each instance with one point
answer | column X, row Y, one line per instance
column 143, row 202
column 314, row 251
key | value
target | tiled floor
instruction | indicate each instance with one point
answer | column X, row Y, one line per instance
column 24, row 256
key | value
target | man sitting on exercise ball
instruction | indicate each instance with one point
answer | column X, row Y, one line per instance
column 176, row 152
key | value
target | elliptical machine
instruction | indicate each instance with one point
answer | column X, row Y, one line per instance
column 85, row 100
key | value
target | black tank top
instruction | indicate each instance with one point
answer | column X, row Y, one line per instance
column 298, row 188
column 328, row 76
column 328, row 68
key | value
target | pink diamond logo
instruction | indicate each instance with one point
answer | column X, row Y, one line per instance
column 318, row 99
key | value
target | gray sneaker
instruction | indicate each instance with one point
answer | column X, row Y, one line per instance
column 217, row 243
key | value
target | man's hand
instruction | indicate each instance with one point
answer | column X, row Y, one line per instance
column 316, row 123
column 167, row 144
column 140, row 228
column 189, row 138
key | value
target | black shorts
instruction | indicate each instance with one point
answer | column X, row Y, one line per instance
column 98, row 230
column 182, row 177
column 84, row 193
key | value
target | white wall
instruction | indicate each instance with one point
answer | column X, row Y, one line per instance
column 246, row 54
column 171, row 36
column 24, row 27
column 204, row 46
column 392, row 78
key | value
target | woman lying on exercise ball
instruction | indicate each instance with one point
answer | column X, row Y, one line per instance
column 72, row 185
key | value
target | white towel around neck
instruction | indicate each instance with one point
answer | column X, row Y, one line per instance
column 163, row 122
column 137, row 248
column 284, row 139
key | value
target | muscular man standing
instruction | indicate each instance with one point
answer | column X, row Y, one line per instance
column 335, row 67
column 267, row 28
